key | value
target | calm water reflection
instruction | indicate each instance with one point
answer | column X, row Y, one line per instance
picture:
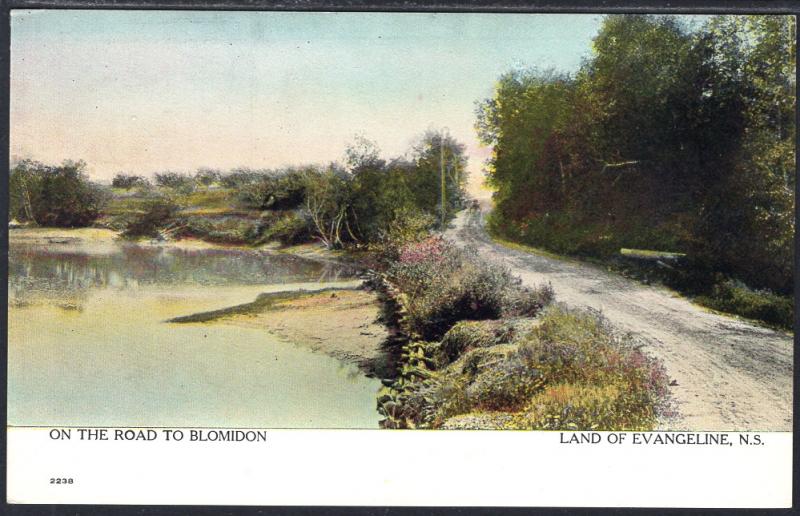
column 88, row 345
column 48, row 269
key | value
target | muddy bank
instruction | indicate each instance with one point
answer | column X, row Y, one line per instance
column 341, row 322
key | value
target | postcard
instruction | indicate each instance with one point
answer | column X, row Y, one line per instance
column 395, row 258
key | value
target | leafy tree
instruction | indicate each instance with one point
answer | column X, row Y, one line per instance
column 60, row 196
column 431, row 154
column 328, row 196
column 666, row 138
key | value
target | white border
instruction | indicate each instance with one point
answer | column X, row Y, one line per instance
column 382, row 467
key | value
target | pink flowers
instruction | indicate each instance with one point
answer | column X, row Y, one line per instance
column 429, row 250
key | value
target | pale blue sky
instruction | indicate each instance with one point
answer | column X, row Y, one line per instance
column 141, row 91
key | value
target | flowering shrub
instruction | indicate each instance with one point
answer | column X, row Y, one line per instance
column 482, row 356
column 429, row 251
column 571, row 371
column 444, row 285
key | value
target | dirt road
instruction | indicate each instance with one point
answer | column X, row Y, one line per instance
column 731, row 375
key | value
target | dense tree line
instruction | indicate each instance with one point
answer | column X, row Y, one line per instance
column 669, row 137
column 357, row 202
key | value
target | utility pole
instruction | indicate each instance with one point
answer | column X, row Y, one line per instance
column 26, row 198
column 441, row 167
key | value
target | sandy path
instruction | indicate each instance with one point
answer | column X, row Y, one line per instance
column 731, row 375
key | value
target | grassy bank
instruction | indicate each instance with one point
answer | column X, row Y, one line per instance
column 706, row 288
column 479, row 351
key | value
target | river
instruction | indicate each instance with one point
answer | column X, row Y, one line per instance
column 88, row 345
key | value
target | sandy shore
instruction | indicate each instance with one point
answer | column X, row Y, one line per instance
column 97, row 240
column 101, row 240
column 338, row 322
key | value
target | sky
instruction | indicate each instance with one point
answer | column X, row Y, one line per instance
column 146, row 91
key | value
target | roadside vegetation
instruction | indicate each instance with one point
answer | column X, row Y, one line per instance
column 669, row 138
column 477, row 350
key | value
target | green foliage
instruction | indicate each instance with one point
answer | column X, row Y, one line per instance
column 289, row 228
column 328, row 198
column 666, row 138
column 467, row 335
column 59, row 196
column 128, row 181
column 181, row 183
column 369, row 203
column 207, row 176
column 239, row 177
column 281, row 190
column 221, row 230
column 433, row 152
column 735, row 297
column 157, row 214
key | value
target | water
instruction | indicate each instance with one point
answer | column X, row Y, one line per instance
column 88, row 345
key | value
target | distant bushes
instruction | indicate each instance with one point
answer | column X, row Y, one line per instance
column 128, row 181
column 220, row 230
column 182, row 183
column 367, row 203
column 239, row 177
column 60, row 196
column 207, row 176
column 157, row 214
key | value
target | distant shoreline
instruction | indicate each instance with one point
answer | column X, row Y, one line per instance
column 103, row 240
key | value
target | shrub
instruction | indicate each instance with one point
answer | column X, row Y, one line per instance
column 467, row 335
column 445, row 285
column 127, row 181
column 470, row 292
column 290, row 228
column 407, row 228
column 240, row 177
column 60, row 196
column 527, row 302
column 157, row 215
column 735, row 297
column 276, row 191
column 181, row 183
column 222, row 230
column 586, row 407
column 568, row 371
column 504, row 385
column 207, row 176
